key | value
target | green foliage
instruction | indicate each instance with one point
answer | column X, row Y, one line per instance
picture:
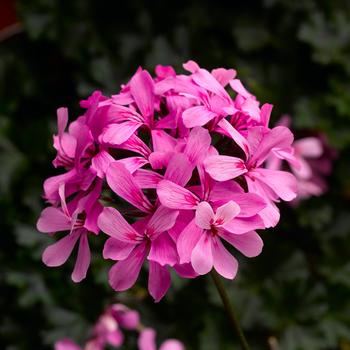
column 296, row 295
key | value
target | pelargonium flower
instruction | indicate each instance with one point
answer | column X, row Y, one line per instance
column 272, row 185
column 130, row 244
column 79, row 217
column 172, row 169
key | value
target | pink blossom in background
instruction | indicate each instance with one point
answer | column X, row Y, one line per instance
column 172, row 170
column 66, row 344
column 110, row 328
column 147, row 341
column 314, row 162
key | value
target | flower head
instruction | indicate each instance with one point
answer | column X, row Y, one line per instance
column 172, row 169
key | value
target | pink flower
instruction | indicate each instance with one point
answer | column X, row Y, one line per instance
column 312, row 163
column 132, row 244
column 200, row 241
column 270, row 184
column 108, row 332
column 126, row 318
column 239, row 225
column 209, row 251
column 78, row 217
column 309, row 181
column 79, row 154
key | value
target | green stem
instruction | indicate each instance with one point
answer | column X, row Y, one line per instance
column 229, row 310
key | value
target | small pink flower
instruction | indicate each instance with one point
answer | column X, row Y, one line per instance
column 108, row 332
column 147, row 341
column 269, row 184
column 132, row 244
column 79, row 217
column 314, row 161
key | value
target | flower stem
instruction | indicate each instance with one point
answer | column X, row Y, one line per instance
column 229, row 310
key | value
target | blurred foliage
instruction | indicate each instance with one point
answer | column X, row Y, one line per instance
column 296, row 295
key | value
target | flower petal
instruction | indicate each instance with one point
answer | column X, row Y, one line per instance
column 283, row 183
column 126, row 318
column 83, row 260
column 100, row 162
column 191, row 66
column 158, row 280
column 197, row 145
column 123, row 184
column 179, row 169
column 172, row 344
column 116, row 134
column 147, row 339
column 52, row 184
column 310, row 147
column 124, row 273
column 238, row 87
column 204, row 215
column 147, row 178
column 197, row 116
column 113, row 224
column 263, row 140
column 227, row 212
column 187, row 240
column 242, row 225
column 204, row 79
column 224, row 263
column 132, row 164
column 265, row 113
column 222, row 168
column 57, row 254
column 62, row 120
column 223, row 76
column 235, row 135
column 202, row 255
column 270, row 214
column 162, row 141
column 250, row 244
column 185, row 270
column 163, row 250
column 142, row 90
column 52, row 220
column 114, row 338
column 135, row 144
column 162, row 220
column 250, row 203
column 117, row 250
column 174, row 196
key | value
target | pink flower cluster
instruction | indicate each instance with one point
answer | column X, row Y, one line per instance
column 108, row 332
column 172, row 170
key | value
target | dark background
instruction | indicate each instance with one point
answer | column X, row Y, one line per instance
column 294, row 54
